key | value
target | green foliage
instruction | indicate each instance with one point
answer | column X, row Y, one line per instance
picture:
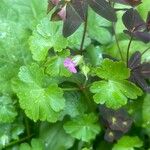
column 36, row 144
column 118, row 88
column 46, row 36
column 55, row 66
column 84, row 128
column 7, row 110
column 75, row 104
column 40, row 98
column 96, row 28
column 145, row 111
column 10, row 131
column 127, row 142
column 55, row 136
column 39, row 102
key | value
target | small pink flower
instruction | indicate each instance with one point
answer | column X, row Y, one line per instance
column 62, row 13
column 70, row 65
column 55, row 2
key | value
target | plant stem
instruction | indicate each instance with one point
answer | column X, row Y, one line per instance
column 84, row 32
column 27, row 125
column 128, row 49
column 121, row 9
column 80, row 145
column 18, row 141
column 71, row 89
column 117, row 42
column 145, row 50
column 88, row 100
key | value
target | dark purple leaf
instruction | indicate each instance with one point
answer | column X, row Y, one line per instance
column 148, row 21
column 138, row 79
column 103, row 8
column 133, row 21
column 139, row 71
column 143, row 36
column 145, row 70
column 55, row 16
column 116, row 120
column 72, row 22
column 81, row 7
column 50, row 6
column 129, row 2
column 135, row 60
column 111, row 136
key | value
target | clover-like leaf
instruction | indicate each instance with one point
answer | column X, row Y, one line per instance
column 116, row 120
column 104, row 9
column 111, row 135
column 7, row 109
column 127, row 142
column 39, row 102
column 139, row 71
column 74, row 13
column 83, row 128
column 136, row 26
column 129, row 2
column 132, row 20
column 72, row 22
column 115, row 90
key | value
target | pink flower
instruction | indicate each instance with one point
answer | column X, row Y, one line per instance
column 55, row 2
column 70, row 65
column 62, row 13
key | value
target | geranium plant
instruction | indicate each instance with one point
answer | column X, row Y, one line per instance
column 74, row 74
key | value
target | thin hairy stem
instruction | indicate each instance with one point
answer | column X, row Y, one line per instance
column 121, row 9
column 18, row 141
column 128, row 49
column 145, row 50
column 71, row 89
column 117, row 42
column 84, row 32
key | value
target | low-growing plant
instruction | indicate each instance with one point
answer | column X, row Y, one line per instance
column 74, row 74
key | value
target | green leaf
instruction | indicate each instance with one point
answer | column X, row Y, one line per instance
column 112, row 70
column 7, row 110
column 74, row 41
column 136, row 45
column 55, row 137
column 94, row 55
column 55, row 65
column 96, row 28
column 39, row 102
column 145, row 111
column 144, row 8
column 13, row 52
column 27, row 12
column 10, row 131
column 47, row 35
column 75, row 104
column 115, row 90
column 128, row 143
column 84, row 128
column 36, row 144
